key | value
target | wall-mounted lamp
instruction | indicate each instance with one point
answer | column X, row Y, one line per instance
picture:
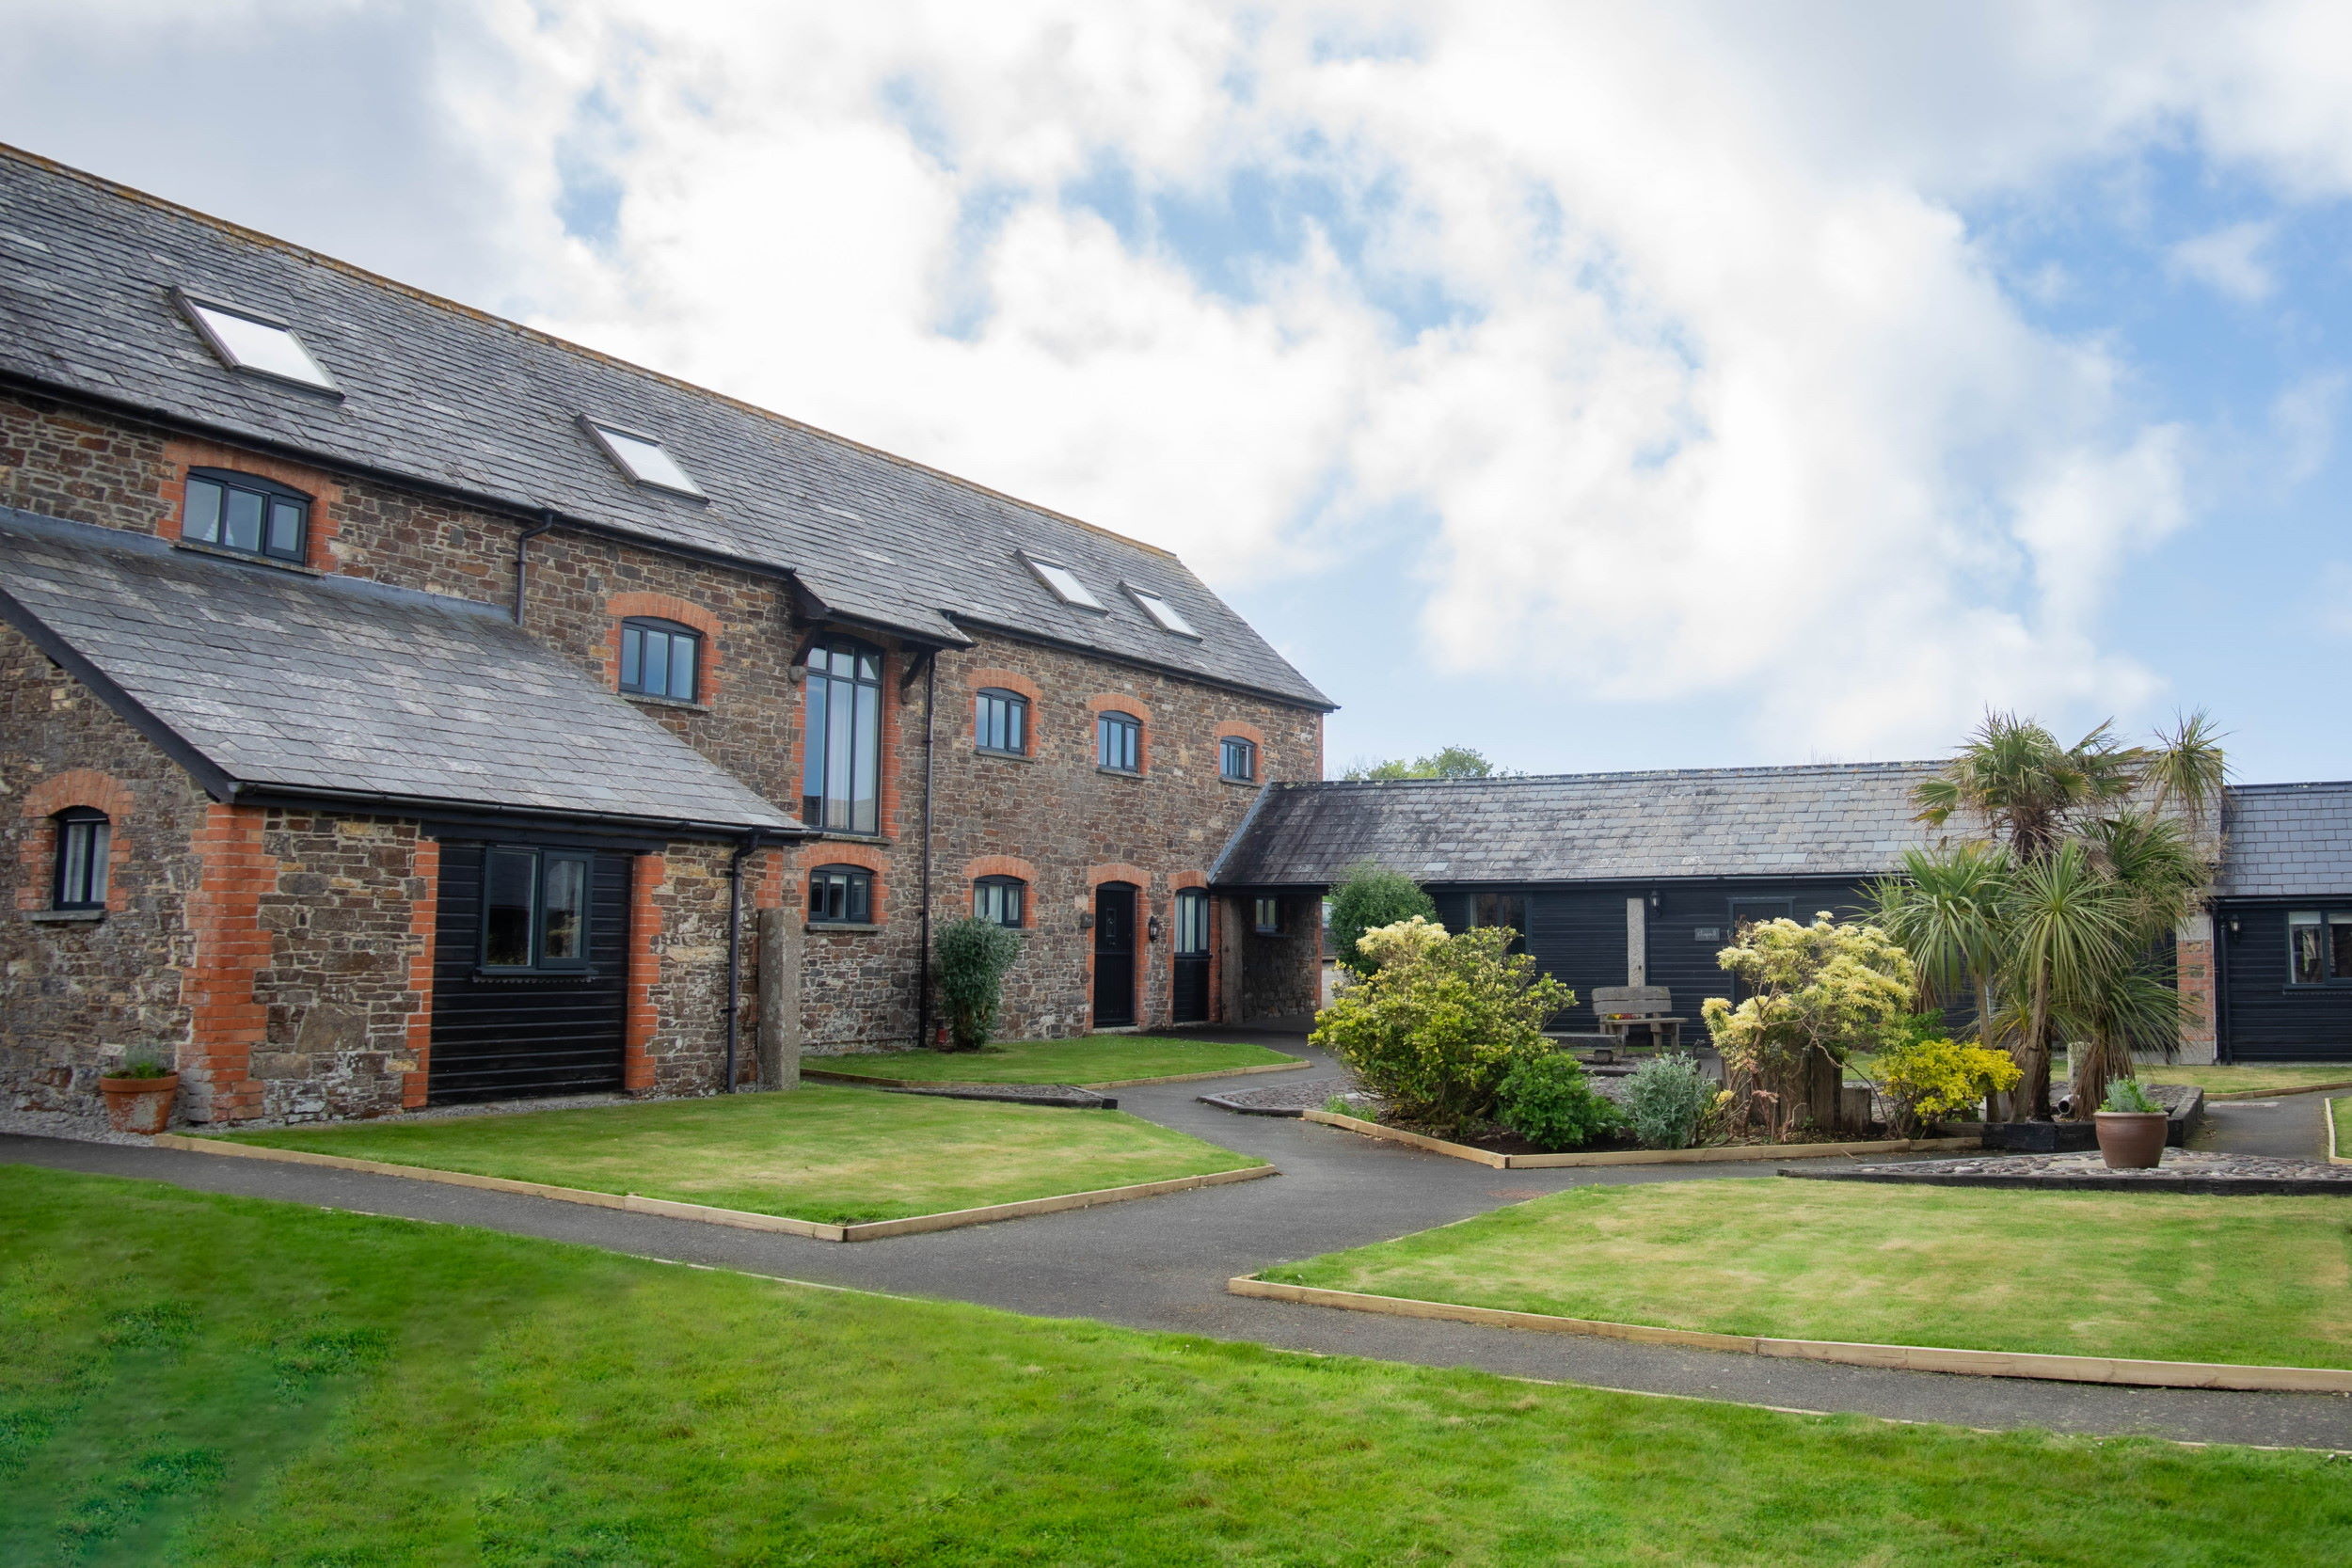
column 1653, row 898
column 2233, row 926
column 1152, row 929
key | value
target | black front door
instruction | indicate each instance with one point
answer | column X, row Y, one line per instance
column 1189, row 998
column 1114, row 954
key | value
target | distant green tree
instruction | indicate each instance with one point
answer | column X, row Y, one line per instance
column 1452, row 762
column 1367, row 896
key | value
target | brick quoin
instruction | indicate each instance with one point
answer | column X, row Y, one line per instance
column 666, row 606
column 327, row 494
column 424, row 913
column 643, row 1015
column 225, row 1022
column 76, row 787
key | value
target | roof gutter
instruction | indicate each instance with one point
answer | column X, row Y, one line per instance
column 242, row 792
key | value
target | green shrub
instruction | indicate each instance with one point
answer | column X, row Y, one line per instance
column 1664, row 1100
column 2125, row 1094
column 1440, row 1019
column 1930, row 1079
column 974, row 957
column 144, row 1064
column 1547, row 1101
column 1368, row 896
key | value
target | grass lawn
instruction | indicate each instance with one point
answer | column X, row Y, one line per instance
column 2341, row 1111
column 194, row 1379
column 825, row 1154
column 1088, row 1059
column 2232, row 1080
column 2173, row 1277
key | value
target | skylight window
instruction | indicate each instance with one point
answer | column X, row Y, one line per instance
column 248, row 340
column 643, row 458
column 1065, row 584
column 1166, row 614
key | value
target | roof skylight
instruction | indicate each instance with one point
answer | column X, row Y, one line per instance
column 246, row 340
column 643, row 458
column 1065, row 584
column 1167, row 614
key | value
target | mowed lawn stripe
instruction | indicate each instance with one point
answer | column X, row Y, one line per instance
column 198, row 1379
column 833, row 1154
column 2164, row 1276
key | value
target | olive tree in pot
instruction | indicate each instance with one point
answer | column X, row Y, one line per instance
column 973, row 959
column 2131, row 1127
column 140, row 1095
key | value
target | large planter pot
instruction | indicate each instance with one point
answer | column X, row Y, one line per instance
column 139, row 1104
column 2131, row 1140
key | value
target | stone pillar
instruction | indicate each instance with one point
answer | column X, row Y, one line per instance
column 1637, row 941
column 2193, row 940
column 779, row 1000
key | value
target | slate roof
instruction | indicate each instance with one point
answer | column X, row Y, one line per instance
column 2287, row 840
column 440, row 393
column 1822, row 820
column 292, row 683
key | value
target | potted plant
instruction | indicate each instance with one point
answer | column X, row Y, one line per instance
column 138, row 1095
column 2131, row 1127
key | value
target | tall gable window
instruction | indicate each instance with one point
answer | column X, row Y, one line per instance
column 660, row 658
column 535, row 909
column 1001, row 721
column 841, row 737
column 246, row 514
column 1119, row 742
column 80, row 878
column 999, row 901
column 258, row 344
column 644, row 458
column 840, row 896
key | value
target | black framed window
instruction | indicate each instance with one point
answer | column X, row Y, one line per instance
column 81, row 876
column 536, row 906
column 841, row 896
column 1119, row 742
column 1237, row 759
column 660, row 658
column 1192, row 923
column 1000, row 721
column 1267, row 917
column 841, row 774
column 246, row 514
column 1000, row 900
column 1501, row 909
column 2319, row 947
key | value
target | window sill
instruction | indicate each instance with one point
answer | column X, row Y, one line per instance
column 651, row 701
column 65, row 917
column 1245, row 783
column 196, row 547
column 1118, row 772
column 1002, row 757
column 837, row 835
column 820, row 927
column 569, row 975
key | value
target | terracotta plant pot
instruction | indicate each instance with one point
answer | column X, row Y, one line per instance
column 2131, row 1140
column 139, row 1104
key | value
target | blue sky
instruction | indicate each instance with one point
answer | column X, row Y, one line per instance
column 1603, row 387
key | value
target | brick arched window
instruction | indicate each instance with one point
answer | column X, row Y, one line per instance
column 80, row 877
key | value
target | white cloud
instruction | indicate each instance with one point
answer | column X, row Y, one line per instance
column 2227, row 261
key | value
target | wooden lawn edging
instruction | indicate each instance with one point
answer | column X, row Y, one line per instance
column 1917, row 1358
column 742, row 1219
column 2273, row 1094
column 2337, row 1153
column 860, row 1080
column 1728, row 1153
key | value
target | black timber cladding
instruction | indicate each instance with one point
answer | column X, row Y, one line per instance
column 2289, row 850
column 439, row 395
column 299, row 683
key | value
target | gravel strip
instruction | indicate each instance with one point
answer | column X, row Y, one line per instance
column 2184, row 1170
column 91, row 1129
column 1286, row 1098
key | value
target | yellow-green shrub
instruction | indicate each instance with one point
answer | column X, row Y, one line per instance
column 1928, row 1078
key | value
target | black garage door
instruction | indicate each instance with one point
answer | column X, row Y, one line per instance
column 530, row 972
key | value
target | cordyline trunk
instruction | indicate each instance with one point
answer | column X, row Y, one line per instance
column 2032, row 1095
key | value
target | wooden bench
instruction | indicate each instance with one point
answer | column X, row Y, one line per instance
column 1641, row 1007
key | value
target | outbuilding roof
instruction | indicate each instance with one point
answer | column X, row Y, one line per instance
column 427, row 391
column 2286, row 841
column 1820, row 821
column 260, row 677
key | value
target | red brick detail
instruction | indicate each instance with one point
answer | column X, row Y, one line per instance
column 1006, row 865
column 865, row 857
column 224, row 1019
column 1251, row 733
column 644, row 1015
column 1118, row 703
column 424, row 909
column 1006, row 680
column 664, row 607
column 1118, row 871
column 771, row 886
column 1179, row 880
column 326, row 497
column 2193, row 962
column 75, row 786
